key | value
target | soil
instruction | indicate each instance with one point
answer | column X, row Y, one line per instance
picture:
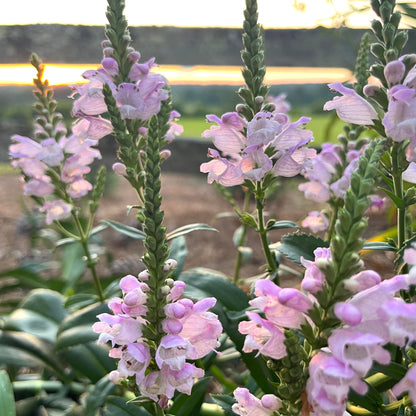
column 186, row 199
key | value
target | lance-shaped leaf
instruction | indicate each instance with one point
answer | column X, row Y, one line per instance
column 186, row 229
column 7, row 407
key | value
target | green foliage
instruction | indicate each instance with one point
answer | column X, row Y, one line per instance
column 7, row 406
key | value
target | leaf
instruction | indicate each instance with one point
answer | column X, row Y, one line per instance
column 295, row 246
column 90, row 360
column 7, row 407
column 26, row 277
column 279, row 225
column 117, row 406
column 400, row 203
column 178, row 252
column 73, row 264
column 125, row 229
column 371, row 401
column 238, row 235
column 214, row 284
column 16, row 345
column 77, row 327
column 188, row 229
column 225, row 402
column 98, row 395
column 378, row 245
column 185, row 405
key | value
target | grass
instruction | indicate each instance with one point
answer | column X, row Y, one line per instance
column 325, row 127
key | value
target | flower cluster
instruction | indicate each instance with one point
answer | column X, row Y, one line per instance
column 282, row 308
column 373, row 317
column 191, row 332
column 268, row 143
column 399, row 120
column 55, row 169
column 140, row 98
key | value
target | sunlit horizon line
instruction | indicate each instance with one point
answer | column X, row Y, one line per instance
column 67, row 74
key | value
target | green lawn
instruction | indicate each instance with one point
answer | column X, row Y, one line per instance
column 324, row 127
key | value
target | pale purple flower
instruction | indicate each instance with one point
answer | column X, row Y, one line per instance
column 351, row 107
column 407, row 384
column 51, row 153
column 329, row 382
column 227, row 135
column 362, row 280
column 255, row 163
column 316, row 221
column 200, row 327
column 315, row 191
column 56, row 210
column 262, row 129
column 314, row 278
column 73, row 169
column 79, row 188
column 281, row 105
column 118, row 329
column 25, row 147
column 267, row 300
column 40, row 187
column 264, row 336
column 134, row 360
column 400, row 118
column 31, row 167
column 358, row 350
column 401, row 320
column 173, row 351
column 93, row 128
column 249, row 405
column 221, row 170
column 82, row 148
column 294, row 299
column 409, row 175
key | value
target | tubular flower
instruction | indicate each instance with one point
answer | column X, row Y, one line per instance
column 191, row 332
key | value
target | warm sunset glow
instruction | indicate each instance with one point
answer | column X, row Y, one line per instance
column 60, row 74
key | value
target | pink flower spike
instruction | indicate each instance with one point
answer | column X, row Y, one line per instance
column 351, row 107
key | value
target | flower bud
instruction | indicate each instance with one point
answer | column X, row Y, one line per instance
column 119, row 168
column 371, row 90
column 110, row 65
column 347, row 313
column 144, row 276
column 134, row 56
column 165, row 154
column 108, row 52
column 394, row 72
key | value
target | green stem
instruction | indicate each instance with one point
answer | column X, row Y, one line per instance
column 334, row 216
column 271, row 262
column 398, row 191
column 83, row 239
column 158, row 411
column 239, row 259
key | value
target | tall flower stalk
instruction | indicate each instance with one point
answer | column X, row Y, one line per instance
column 257, row 143
column 54, row 165
column 152, row 329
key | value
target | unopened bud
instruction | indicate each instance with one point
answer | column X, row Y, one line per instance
column 165, row 290
column 259, row 99
column 170, row 264
column 108, row 52
column 119, row 168
column 144, row 276
column 239, row 108
column 134, row 56
column 105, row 43
column 169, row 282
column 394, row 72
column 165, row 154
